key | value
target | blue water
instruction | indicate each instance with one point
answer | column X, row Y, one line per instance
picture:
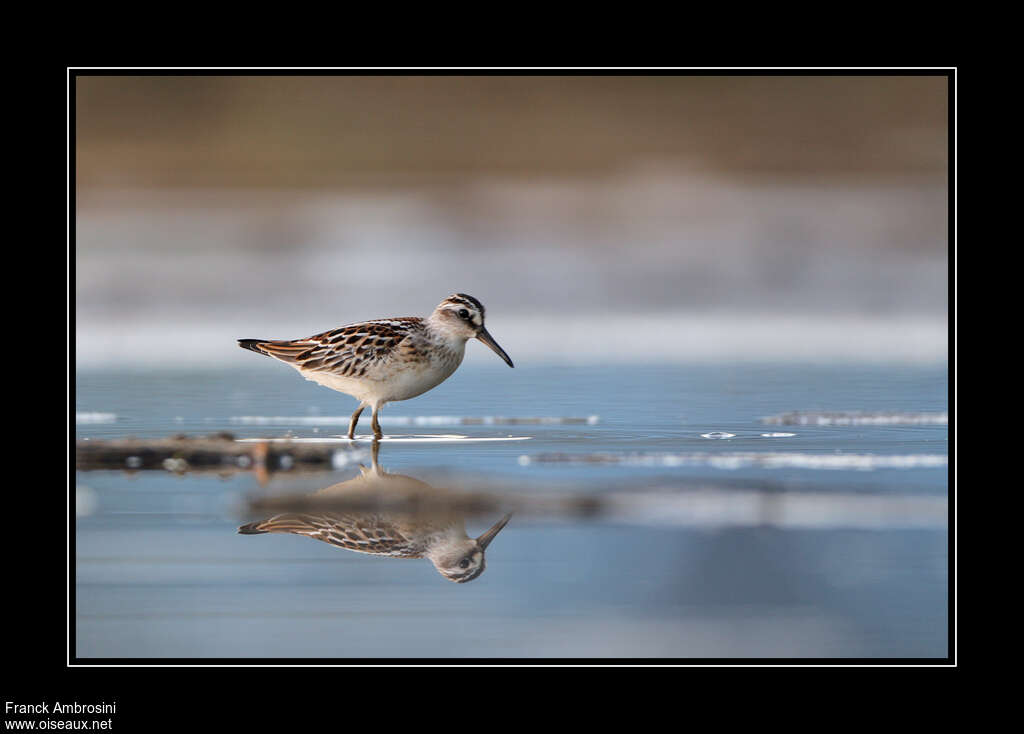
column 162, row 572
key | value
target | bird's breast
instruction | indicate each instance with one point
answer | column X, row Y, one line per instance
column 419, row 367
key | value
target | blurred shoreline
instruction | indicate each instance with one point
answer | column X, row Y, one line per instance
column 642, row 339
column 674, row 268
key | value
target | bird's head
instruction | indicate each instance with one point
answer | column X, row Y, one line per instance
column 464, row 561
column 462, row 317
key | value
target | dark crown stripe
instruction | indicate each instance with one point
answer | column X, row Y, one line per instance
column 471, row 300
column 465, row 300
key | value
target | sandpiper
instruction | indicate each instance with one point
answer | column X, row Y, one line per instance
column 390, row 515
column 384, row 360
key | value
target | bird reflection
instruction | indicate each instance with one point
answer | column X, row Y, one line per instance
column 438, row 535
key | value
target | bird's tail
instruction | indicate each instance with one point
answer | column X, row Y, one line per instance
column 252, row 345
column 288, row 522
column 292, row 351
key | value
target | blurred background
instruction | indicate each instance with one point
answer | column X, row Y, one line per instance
column 599, row 218
column 767, row 254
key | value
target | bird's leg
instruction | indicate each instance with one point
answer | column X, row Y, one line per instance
column 377, row 433
column 375, row 455
column 355, row 419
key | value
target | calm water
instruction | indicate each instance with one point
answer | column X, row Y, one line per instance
column 831, row 542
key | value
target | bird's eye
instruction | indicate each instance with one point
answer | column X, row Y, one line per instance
column 464, row 563
column 463, row 313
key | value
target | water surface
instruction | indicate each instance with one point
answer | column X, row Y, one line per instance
column 715, row 540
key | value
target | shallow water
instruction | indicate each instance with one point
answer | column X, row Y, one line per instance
column 713, row 540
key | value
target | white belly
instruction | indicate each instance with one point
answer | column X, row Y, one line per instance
column 391, row 382
column 412, row 382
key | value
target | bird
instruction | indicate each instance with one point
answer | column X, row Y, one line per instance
column 389, row 515
column 385, row 360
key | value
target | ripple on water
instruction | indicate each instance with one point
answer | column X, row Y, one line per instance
column 92, row 417
column 742, row 460
column 856, row 418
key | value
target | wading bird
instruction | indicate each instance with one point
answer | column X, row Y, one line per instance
column 384, row 360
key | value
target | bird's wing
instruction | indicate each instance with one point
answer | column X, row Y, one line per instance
column 367, row 533
column 348, row 350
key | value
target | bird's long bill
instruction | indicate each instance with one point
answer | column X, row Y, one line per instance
column 484, row 336
column 485, row 539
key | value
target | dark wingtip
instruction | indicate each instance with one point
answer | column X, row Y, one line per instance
column 251, row 344
column 250, row 529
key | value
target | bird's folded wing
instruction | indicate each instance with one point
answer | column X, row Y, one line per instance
column 348, row 350
column 364, row 533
